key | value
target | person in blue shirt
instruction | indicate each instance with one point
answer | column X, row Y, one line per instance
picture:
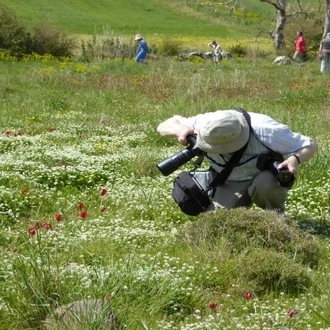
column 142, row 49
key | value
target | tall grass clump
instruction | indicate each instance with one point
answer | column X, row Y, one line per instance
column 270, row 254
column 100, row 48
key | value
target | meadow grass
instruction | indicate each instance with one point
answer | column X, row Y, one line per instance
column 155, row 17
column 86, row 214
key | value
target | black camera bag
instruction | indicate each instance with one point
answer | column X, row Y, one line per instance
column 189, row 195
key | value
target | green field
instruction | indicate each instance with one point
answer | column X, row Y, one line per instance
column 153, row 18
column 85, row 214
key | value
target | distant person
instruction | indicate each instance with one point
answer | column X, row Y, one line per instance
column 324, row 53
column 300, row 48
column 216, row 51
column 143, row 49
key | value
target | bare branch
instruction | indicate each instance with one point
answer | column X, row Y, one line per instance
column 274, row 4
column 270, row 33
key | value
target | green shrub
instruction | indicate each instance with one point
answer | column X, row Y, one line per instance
column 49, row 40
column 238, row 50
column 169, row 47
column 102, row 48
column 14, row 37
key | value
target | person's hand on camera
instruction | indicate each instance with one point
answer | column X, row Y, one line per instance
column 172, row 127
column 183, row 133
column 290, row 164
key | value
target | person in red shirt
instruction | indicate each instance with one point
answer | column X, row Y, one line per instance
column 300, row 50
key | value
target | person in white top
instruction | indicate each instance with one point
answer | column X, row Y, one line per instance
column 216, row 51
column 252, row 181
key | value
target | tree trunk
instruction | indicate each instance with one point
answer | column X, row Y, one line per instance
column 278, row 35
column 327, row 19
column 280, row 24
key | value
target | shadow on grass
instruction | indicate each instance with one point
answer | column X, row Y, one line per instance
column 314, row 227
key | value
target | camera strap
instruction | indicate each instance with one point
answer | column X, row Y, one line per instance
column 199, row 161
column 235, row 158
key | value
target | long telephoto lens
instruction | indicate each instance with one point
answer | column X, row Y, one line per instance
column 169, row 165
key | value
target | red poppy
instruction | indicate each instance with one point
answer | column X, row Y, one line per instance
column 103, row 208
column 247, row 295
column 47, row 226
column 213, row 306
column 32, row 231
column 81, row 206
column 103, row 192
column 83, row 214
column 292, row 312
column 25, row 191
column 58, row 217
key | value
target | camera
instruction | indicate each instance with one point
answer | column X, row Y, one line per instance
column 270, row 162
column 169, row 165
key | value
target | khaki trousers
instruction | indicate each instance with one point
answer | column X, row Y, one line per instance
column 263, row 190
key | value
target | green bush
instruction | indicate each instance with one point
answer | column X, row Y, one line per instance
column 170, row 47
column 14, row 36
column 238, row 50
column 49, row 40
column 17, row 41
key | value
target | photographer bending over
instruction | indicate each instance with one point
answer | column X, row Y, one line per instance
column 267, row 155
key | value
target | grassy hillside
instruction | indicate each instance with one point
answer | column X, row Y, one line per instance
column 194, row 23
column 132, row 16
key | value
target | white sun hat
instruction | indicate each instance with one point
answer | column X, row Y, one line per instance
column 222, row 132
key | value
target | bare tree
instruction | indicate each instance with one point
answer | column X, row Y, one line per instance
column 278, row 35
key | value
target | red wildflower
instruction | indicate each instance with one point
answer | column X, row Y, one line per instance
column 292, row 312
column 103, row 208
column 103, row 192
column 58, row 217
column 47, row 226
column 247, row 295
column 25, row 191
column 51, row 129
column 32, row 230
column 83, row 214
column 81, row 206
column 213, row 306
